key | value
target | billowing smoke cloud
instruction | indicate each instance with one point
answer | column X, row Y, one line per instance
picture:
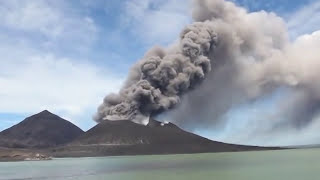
column 254, row 59
column 162, row 76
column 241, row 58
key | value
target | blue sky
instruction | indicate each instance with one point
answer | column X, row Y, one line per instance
column 278, row 6
column 65, row 56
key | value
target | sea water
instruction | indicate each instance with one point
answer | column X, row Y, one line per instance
column 263, row 165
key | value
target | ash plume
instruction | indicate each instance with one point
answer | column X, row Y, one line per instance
column 254, row 60
column 241, row 58
column 158, row 80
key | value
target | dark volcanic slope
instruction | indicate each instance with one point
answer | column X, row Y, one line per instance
column 130, row 133
column 40, row 131
column 128, row 138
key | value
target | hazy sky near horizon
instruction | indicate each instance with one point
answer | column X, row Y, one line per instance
column 65, row 56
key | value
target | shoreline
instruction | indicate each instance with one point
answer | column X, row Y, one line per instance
column 14, row 155
column 19, row 155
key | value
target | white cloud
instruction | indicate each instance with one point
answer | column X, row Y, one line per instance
column 31, row 16
column 47, row 82
column 55, row 20
column 305, row 20
column 64, row 86
column 33, row 78
column 156, row 21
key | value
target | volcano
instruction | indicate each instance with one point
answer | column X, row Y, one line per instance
column 42, row 130
column 123, row 137
column 60, row 138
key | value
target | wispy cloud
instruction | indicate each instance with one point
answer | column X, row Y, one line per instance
column 49, row 25
column 156, row 21
column 305, row 20
column 50, row 18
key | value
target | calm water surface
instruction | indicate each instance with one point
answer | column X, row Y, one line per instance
column 267, row 165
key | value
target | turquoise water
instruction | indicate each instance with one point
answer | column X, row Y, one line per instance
column 267, row 165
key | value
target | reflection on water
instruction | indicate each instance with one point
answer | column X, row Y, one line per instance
column 268, row 165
